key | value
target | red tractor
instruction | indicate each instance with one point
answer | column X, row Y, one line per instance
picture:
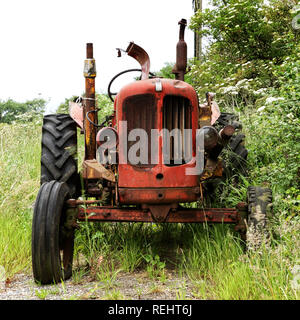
column 159, row 150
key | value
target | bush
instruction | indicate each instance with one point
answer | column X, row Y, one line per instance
column 253, row 65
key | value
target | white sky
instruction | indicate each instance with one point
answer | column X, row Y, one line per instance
column 43, row 42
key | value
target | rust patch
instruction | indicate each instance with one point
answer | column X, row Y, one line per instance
column 184, row 215
column 204, row 116
column 92, row 169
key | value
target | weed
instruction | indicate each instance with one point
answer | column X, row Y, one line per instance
column 42, row 293
column 113, row 295
column 155, row 267
column 78, row 275
column 181, row 294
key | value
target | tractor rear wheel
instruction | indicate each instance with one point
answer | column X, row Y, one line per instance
column 235, row 159
column 52, row 237
column 59, row 151
column 259, row 212
column 237, row 156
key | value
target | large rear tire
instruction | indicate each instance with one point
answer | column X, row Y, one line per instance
column 52, row 241
column 59, row 151
column 235, row 158
column 236, row 161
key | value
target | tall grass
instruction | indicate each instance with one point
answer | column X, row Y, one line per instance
column 220, row 268
column 19, row 183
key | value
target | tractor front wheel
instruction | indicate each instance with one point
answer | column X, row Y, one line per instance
column 52, row 237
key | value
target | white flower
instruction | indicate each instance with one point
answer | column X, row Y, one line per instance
column 296, row 9
column 259, row 91
column 241, row 82
column 261, row 109
column 273, row 99
column 229, row 89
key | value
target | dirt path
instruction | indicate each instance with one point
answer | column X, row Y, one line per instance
column 127, row 286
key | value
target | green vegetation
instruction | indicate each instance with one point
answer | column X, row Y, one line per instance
column 253, row 65
column 19, row 176
column 11, row 110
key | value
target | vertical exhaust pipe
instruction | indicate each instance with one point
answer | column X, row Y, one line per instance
column 181, row 53
column 89, row 106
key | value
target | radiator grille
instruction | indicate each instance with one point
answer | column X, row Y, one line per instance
column 177, row 147
column 140, row 113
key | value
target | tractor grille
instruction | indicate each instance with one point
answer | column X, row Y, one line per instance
column 177, row 147
column 140, row 113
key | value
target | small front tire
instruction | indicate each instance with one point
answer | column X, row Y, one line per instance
column 52, row 243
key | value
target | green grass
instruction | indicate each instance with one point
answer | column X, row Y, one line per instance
column 19, row 183
column 211, row 258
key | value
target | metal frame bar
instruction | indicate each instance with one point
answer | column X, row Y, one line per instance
column 180, row 215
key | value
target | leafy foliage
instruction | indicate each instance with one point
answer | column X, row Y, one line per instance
column 166, row 71
column 248, row 38
column 64, row 106
column 11, row 110
column 253, row 65
column 249, row 29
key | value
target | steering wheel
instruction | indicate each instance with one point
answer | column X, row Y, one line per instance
column 110, row 94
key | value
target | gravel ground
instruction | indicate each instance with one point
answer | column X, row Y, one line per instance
column 126, row 286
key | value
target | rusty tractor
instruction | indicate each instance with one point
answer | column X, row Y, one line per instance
column 133, row 168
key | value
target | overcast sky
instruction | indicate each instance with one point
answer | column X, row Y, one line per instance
column 43, row 42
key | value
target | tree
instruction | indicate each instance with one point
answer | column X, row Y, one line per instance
column 197, row 5
column 248, row 39
column 11, row 110
column 249, row 29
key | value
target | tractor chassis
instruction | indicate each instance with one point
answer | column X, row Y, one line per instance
column 90, row 210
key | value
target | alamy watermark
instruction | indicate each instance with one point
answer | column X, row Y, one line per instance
column 296, row 19
column 141, row 147
column 295, row 282
column 2, row 277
